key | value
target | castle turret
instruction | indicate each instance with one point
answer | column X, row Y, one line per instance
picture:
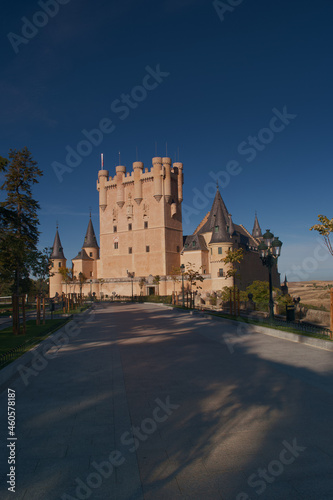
column 220, row 232
column 103, row 176
column 256, row 231
column 138, row 169
column 157, row 172
column 90, row 242
column 167, row 179
column 58, row 260
column 180, row 180
column 86, row 260
column 120, row 173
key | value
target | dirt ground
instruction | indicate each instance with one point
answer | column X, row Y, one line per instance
column 316, row 293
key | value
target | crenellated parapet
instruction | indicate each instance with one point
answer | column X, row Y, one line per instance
column 167, row 182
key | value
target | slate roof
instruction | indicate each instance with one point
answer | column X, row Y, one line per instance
column 218, row 203
column 195, row 242
column 90, row 240
column 57, row 250
column 82, row 255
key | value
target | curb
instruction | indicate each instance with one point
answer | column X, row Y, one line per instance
column 325, row 345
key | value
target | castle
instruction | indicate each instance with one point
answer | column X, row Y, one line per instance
column 141, row 237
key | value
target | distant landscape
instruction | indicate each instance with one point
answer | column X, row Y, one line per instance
column 314, row 293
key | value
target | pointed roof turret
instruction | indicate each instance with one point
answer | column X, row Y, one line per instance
column 90, row 238
column 219, row 229
column 57, row 250
column 256, row 231
column 218, row 205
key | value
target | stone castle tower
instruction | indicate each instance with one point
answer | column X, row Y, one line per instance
column 86, row 260
column 58, row 260
column 141, row 221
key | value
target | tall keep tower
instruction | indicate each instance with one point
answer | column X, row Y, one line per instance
column 141, row 219
column 58, row 260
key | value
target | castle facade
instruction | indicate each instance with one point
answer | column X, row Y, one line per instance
column 142, row 244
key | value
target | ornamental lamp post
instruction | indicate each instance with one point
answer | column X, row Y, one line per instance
column 182, row 268
column 269, row 251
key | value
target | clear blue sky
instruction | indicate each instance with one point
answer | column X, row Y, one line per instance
column 223, row 74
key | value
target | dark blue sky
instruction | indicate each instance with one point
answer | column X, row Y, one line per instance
column 223, row 83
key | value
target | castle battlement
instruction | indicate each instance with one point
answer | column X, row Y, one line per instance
column 162, row 173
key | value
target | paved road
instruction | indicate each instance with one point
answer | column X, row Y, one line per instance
column 147, row 403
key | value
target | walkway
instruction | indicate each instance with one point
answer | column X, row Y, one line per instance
column 144, row 402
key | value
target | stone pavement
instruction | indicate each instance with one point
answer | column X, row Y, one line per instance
column 143, row 402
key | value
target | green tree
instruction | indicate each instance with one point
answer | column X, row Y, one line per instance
column 192, row 276
column 233, row 257
column 67, row 275
column 82, row 280
column 41, row 269
column 19, row 224
column 142, row 283
column 260, row 292
column 325, row 228
column 175, row 276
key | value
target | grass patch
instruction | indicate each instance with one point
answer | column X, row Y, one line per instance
column 316, row 308
column 34, row 335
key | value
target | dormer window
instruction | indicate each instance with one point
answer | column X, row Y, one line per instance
column 193, row 243
column 216, row 229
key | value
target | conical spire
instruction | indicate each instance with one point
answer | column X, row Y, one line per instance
column 219, row 229
column 90, row 238
column 218, row 203
column 256, row 231
column 57, row 250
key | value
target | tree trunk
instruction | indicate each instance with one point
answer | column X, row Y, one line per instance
column 15, row 313
column 43, row 310
column 23, row 316
column 38, row 310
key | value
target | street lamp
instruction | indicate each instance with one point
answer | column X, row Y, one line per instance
column 182, row 267
column 269, row 251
